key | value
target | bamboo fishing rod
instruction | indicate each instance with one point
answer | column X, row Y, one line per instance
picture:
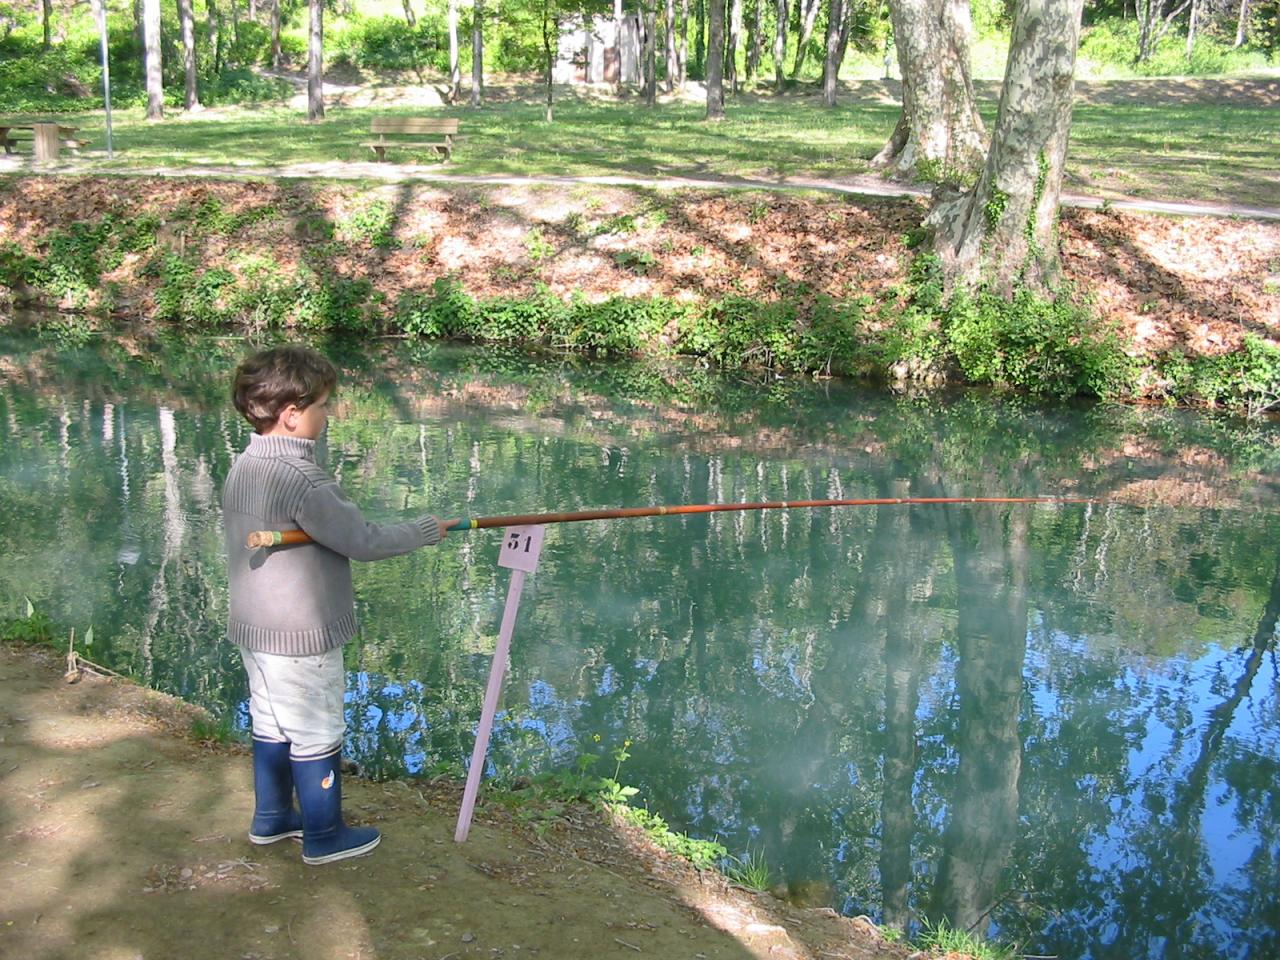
column 284, row 538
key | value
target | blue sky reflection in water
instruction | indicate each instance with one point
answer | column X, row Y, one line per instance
column 1055, row 723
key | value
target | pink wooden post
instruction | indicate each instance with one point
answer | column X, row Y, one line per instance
column 520, row 549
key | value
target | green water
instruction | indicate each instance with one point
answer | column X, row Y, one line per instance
column 1054, row 724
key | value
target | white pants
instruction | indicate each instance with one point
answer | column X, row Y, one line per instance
column 297, row 700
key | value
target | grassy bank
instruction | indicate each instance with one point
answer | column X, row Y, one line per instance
column 790, row 284
column 1168, row 139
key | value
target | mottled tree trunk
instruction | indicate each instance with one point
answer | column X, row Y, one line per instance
column 683, row 47
column 809, row 11
column 1242, row 24
column 715, row 62
column 755, row 39
column 477, row 53
column 651, row 53
column 315, row 62
column 700, row 36
column 409, row 16
column 1005, row 228
column 455, row 71
column 670, row 36
column 151, row 57
column 1193, row 24
column 550, row 44
column 735, row 40
column 831, row 64
column 215, row 35
column 191, row 99
column 939, row 132
column 277, row 57
column 46, row 23
column 780, row 45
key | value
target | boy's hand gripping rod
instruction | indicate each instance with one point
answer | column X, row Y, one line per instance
column 284, row 538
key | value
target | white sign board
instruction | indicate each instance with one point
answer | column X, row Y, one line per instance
column 520, row 547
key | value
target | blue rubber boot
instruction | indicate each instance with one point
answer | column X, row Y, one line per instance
column 325, row 837
column 274, row 815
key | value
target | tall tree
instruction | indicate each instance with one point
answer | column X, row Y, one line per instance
column 715, row 61
column 46, row 23
column 735, row 40
column 315, row 61
column 1005, row 227
column 755, row 38
column 477, row 53
column 939, row 132
column 651, row 52
column 783, row 12
column 277, row 57
column 808, row 10
column 151, row 59
column 215, row 35
column 1242, row 24
column 186, row 18
column 455, row 71
column 682, row 52
column 672, row 57
column 831, row 63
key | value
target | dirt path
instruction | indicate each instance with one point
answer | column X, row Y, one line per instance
column 125, row 839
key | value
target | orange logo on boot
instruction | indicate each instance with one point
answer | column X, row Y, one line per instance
column 327, row 782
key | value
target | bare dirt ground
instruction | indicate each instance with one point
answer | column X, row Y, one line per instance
column 125, row 839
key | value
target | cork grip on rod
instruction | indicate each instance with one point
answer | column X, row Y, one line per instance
column 275, row 538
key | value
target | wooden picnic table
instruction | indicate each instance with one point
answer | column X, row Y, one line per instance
column 47, row 138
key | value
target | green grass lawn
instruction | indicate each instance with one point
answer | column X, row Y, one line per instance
column 1172, row 152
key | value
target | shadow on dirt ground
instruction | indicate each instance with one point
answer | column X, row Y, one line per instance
column 123, row 838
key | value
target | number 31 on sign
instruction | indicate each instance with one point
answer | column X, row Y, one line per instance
column 520, row 547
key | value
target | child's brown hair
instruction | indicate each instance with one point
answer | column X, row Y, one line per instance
column 270, row 380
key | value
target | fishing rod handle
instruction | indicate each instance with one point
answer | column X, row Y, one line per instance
column 289, row 538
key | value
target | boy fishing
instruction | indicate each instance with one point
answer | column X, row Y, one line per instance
column 292, row 608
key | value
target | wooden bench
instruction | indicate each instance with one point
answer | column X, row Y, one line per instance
column 444, row 132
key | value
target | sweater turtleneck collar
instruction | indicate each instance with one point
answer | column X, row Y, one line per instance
column 277, row 445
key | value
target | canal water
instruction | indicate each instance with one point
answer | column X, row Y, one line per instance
column 1054, row 724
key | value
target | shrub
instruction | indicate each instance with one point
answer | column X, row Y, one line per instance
column 1044, row 346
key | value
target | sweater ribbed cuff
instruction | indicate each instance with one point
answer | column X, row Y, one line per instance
column 430, row 528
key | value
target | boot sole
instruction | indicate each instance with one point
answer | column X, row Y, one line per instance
column 359, row 851
column 275, row 838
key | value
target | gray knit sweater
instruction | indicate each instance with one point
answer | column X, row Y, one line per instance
column 298, row 600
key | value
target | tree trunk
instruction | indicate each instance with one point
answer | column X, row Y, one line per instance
column 409, row 16
column 191, row 99
column 455, row 72
column 151, row 54
column 940, row 133
column 1242, row 25
column 1005, row 228
column 651, row 53
column 700, row 37
column 477, row 53
column 315, row 62
column 780, row 46
column 735, row 39
column 1193, row 22
column 755, row 38
column 831, row 65
column 253, row 9
column 215, row 36
column 549, row 47
column 715, row 62
column 810, row 14
column 46, row 22
column 673, row 62
column 277, row 58
column 683, row 51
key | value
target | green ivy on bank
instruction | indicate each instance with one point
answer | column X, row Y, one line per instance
column 1045, row 346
